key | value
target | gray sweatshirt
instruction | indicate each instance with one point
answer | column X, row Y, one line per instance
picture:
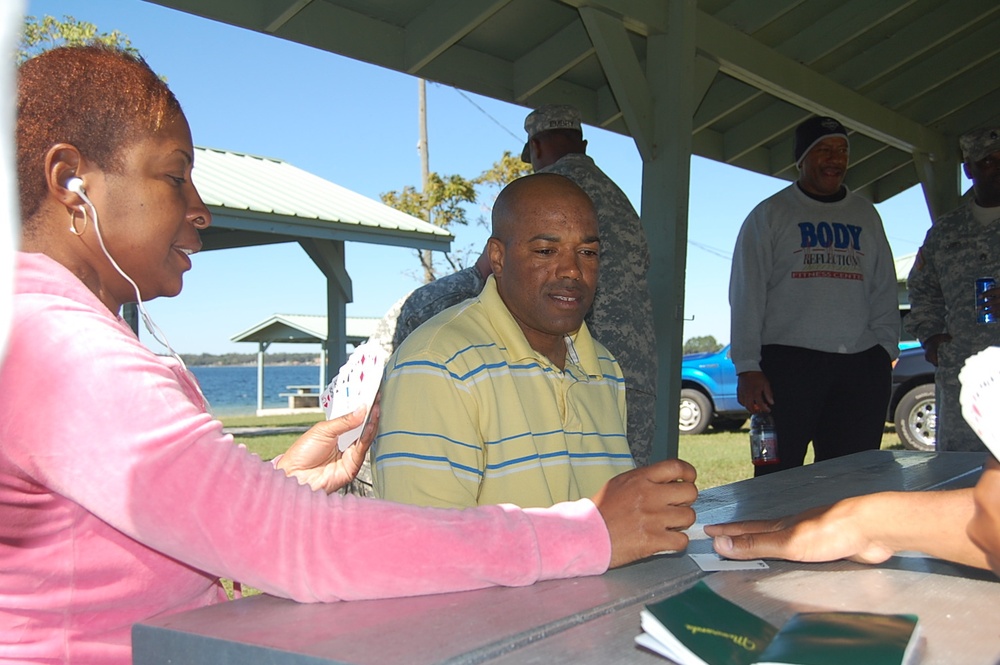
column 813, row 275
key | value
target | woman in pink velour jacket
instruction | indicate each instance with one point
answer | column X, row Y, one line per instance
column 121, row 498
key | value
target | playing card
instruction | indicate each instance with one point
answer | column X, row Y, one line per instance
column 980, row 379
column 356, row 383
column 710, row 561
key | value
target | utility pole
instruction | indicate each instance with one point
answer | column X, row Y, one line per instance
column 426, row 258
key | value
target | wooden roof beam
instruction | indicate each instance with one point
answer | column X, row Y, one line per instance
column 441, row 26
column 748, row 60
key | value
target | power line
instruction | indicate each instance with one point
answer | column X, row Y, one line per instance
column 484, row 112
column 908, row 241
column 711, row 250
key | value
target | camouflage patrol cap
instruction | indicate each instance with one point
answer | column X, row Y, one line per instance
column 979, row 143
column 550, row 116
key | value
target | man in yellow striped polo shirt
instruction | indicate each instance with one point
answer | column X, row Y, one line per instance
column 506, row 398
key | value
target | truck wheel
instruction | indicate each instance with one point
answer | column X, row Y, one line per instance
column 696, row 411
column 916, row 420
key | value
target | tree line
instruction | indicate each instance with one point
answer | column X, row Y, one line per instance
column 230, row 359
column 703, row 344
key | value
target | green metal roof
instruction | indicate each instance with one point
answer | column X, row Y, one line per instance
column 305, row 329
column 260, row 200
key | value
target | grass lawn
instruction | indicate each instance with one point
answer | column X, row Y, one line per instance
column 272, row 421
column 270, row 445
column 720, row 457
column 724, row 457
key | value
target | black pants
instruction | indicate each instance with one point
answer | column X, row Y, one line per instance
column 838, row 401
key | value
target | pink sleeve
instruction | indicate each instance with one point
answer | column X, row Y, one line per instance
column 99, row 419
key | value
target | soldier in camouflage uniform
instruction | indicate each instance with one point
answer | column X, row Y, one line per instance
column 439, row 295
column 422, row 303
column 960, row 247
column 621, row 317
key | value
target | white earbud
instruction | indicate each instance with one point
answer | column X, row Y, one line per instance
column 75, row 185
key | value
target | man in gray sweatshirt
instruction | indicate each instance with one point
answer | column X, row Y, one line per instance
column 815, row 320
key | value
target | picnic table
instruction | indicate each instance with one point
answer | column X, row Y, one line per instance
column 302, row 397
column 594, row 619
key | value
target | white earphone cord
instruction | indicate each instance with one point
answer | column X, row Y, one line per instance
column 150, row 325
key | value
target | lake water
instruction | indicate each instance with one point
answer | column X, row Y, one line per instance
column 233, row 390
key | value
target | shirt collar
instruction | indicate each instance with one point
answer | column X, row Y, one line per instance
column 984, row 215
column 580, row 348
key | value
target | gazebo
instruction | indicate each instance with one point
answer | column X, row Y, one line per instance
column 300, row 329
column 262, row 201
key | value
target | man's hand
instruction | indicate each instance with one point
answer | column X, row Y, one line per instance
column 645, row 509
column 753, row 391
column 931, row 345
column 840, row 531
column 315, row 459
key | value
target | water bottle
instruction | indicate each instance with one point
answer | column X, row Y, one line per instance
column 763, row 439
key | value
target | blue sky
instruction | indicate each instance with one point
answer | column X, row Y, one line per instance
column 356, row 124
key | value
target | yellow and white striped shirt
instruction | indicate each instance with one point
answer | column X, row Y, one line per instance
column 472, row 415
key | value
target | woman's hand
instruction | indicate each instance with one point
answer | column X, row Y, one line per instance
column 315, row 459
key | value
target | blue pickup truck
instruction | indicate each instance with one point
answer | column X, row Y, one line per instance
column 708, row 396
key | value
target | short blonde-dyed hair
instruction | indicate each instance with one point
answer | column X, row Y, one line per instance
column 97, row 98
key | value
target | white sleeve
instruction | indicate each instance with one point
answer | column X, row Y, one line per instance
column 752, row 264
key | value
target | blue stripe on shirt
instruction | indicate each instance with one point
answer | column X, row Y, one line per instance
column 429, row 435
column 558, row 453
column 428, row 458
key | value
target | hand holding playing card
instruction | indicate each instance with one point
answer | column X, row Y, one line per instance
column 317, row 461
column 356, row 384
column 980, row 379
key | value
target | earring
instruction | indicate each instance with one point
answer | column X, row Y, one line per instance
column 72, row 221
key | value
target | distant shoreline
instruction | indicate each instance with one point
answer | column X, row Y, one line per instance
column 233, row 389
column 253, row 364
column 249, row 359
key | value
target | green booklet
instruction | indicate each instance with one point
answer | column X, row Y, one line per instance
column 699, row 627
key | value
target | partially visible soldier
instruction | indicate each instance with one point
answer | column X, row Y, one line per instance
column 439, row 295
column 622, row 315
column 422, row 303
column 960, row 247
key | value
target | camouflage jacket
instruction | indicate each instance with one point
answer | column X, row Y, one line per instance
column 435, row 297
column 957, row 250
column 622, row 315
